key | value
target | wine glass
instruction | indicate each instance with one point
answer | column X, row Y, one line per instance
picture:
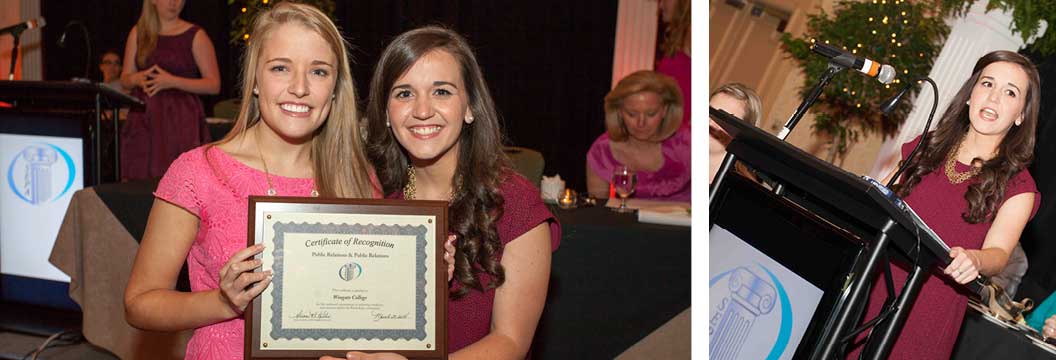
column 624, row 180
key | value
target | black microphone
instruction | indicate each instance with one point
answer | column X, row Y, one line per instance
column 87, row 44
column 18, row 28
column 882, row 72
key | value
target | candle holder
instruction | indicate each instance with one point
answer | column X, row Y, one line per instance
column 567, row 199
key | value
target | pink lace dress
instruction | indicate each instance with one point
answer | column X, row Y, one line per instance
column 215, row 187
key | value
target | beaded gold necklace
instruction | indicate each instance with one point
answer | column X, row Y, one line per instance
column 410, row 190
column 958, row 177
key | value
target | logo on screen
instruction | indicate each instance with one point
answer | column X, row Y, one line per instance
column 41, row 173
column 750, row 301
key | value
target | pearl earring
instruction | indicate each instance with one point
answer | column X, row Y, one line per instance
column 969, row 102
column 469, row 119
column 256, row 92
column 387, row 123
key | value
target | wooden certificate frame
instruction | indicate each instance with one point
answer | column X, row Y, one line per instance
column 348, row 275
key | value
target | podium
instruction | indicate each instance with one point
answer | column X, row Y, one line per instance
column 66, row 108
column 809, row 247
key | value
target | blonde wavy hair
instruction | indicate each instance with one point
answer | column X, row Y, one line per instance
column 147, row 28
column 339, row 165
column 639, row 81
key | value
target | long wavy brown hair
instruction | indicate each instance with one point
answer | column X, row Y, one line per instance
column 1014, row 153
column 476, row 204
column 675, row 32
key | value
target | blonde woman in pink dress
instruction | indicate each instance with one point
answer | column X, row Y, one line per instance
column 643, row 115
column 296, row 135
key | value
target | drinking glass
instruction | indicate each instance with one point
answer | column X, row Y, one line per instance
column 624, row 180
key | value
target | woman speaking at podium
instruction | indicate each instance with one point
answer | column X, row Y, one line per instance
column 970, row 184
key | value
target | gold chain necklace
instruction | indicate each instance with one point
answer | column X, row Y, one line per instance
column 958, row 177
column 267, row 174
column 411, row 189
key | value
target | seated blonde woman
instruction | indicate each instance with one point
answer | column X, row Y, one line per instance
column 643, row 115
column 739, row 101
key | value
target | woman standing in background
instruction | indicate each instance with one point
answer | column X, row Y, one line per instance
column 170, row 61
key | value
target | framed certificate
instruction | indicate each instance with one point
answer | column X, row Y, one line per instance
column 348, row 274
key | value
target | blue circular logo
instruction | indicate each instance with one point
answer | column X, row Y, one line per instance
column 37, row 175
column 350, row 271
column 751, row 295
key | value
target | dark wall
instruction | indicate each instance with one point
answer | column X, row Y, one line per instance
column 1040, row 279
column 548, row 64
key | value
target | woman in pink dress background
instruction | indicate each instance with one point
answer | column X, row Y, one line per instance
column 643, row 117
column 168, row 63
column 674, row 58
column 970, row 184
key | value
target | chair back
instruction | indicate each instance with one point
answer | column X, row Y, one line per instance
column 526, row 161
column 227, row 109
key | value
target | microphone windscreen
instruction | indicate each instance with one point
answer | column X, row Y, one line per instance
column 887, row 74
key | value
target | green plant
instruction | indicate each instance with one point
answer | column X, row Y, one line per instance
column 877, row 29
column 1026, row 18
column 248, row 10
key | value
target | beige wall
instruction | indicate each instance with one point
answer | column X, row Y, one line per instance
column 9, row 14
column 747, row 49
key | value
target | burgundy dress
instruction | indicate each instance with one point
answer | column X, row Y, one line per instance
column 469, row 318
column 172, row 122
column 935, row 319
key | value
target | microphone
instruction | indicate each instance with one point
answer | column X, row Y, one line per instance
column 18, row 28
column 87, row 43
column 882, row 72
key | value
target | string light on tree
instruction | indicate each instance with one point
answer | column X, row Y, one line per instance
column 850, row 102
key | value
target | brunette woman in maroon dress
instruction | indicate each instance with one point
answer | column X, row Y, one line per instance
column 970, row 184
column 168, row 63
column 432, row 133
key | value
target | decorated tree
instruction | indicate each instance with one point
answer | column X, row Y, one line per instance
column 905, row 34
column 248, row 9
column 1026, row 19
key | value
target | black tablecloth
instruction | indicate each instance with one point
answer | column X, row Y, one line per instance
column 982, row 339
column 613, row 281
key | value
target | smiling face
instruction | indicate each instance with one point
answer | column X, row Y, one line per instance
column 642, row 113
column 295, row 75
column 427, row 106
column 998, row 99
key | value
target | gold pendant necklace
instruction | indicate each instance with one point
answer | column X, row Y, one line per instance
column 267, row 174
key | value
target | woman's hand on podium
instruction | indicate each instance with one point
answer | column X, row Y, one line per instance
column 1048, row 330
column 964, row 267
